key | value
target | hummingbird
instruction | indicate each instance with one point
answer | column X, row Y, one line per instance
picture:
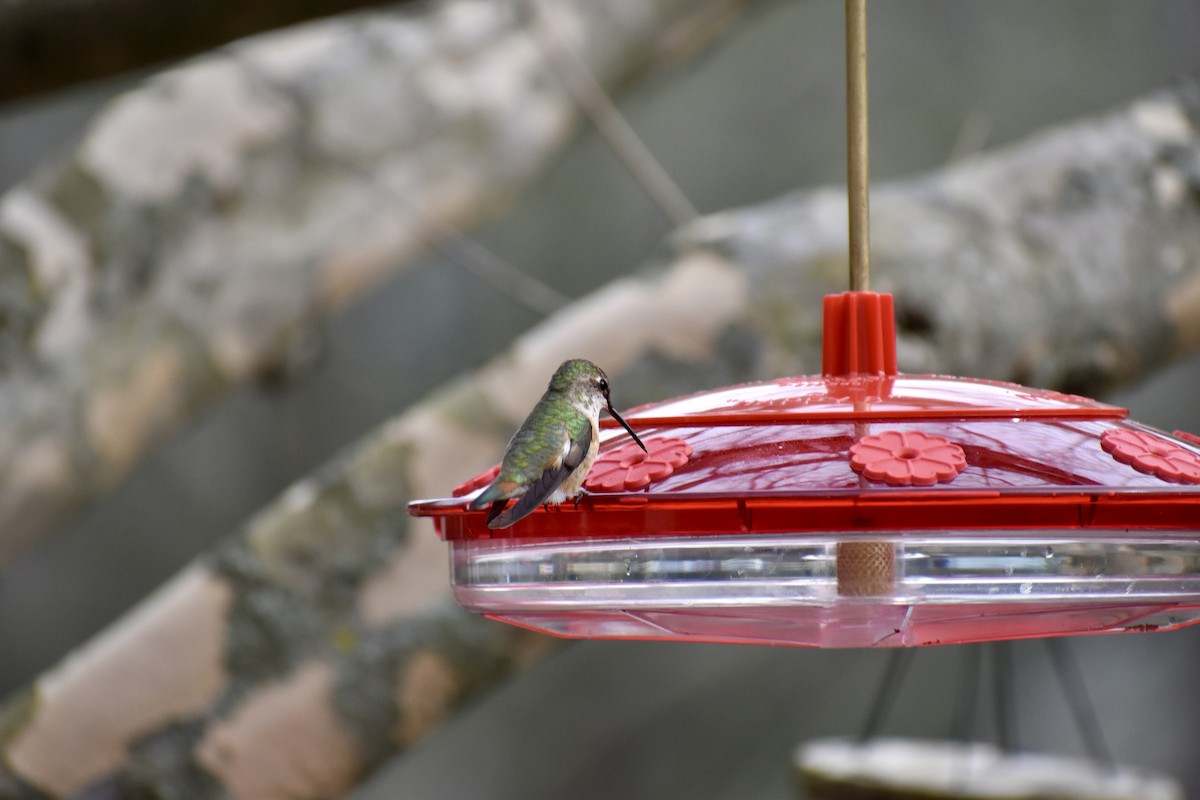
column 551, row 453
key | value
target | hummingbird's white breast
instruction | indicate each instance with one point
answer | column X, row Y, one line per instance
column 573, row 485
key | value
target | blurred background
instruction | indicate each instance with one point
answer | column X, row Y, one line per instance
column 758, row 114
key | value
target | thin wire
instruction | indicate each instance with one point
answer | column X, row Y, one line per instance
column 966, row 713
column 857, row 149
column 889, row 689
column 520, row 286
column 1070, row 677
column 1002, row 689
column 617, row 132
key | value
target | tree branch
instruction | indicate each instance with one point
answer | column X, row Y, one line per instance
column 1071, row 260
column 209, row 219
column 321, row 637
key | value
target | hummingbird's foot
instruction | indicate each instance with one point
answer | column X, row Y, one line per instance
column 579, row 498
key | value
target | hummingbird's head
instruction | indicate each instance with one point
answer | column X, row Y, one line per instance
column 585, row 384
column 582, row 382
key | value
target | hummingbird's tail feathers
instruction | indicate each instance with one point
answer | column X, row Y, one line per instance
column 504, row 519
column 539, row 492
column 496, row 490
column 494, row 511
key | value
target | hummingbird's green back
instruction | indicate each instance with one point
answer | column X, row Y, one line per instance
column 542, row 438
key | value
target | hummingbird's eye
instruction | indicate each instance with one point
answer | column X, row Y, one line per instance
column 603, row 384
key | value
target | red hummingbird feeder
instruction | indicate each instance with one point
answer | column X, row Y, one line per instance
column 857, row 508
column 861, row 507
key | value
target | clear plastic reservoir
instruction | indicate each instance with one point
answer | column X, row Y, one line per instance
column 783, row 589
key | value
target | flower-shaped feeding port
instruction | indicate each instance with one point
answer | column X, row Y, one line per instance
column 628, row 469
column 907, row 458
column 1148, row 453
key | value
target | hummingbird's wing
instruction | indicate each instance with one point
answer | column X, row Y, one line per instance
column 574, row 451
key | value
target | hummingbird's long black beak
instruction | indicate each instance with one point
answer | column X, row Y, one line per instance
column 625, row 425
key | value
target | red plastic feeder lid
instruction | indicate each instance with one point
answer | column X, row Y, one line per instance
column 863, row 448
column 866, row 453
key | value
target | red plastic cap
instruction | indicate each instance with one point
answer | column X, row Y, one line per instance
column 859, row 334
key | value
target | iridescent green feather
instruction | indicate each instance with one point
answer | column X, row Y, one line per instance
column 539, row 443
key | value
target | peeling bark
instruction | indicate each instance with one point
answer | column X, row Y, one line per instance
column 1061, row 262
column 163, row 663
column 1057, row 261
column 208, row 220
column 285, row 740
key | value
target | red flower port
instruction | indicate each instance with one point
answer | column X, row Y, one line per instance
column 629, row 469
column 1147, row 453
column 907, row 458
